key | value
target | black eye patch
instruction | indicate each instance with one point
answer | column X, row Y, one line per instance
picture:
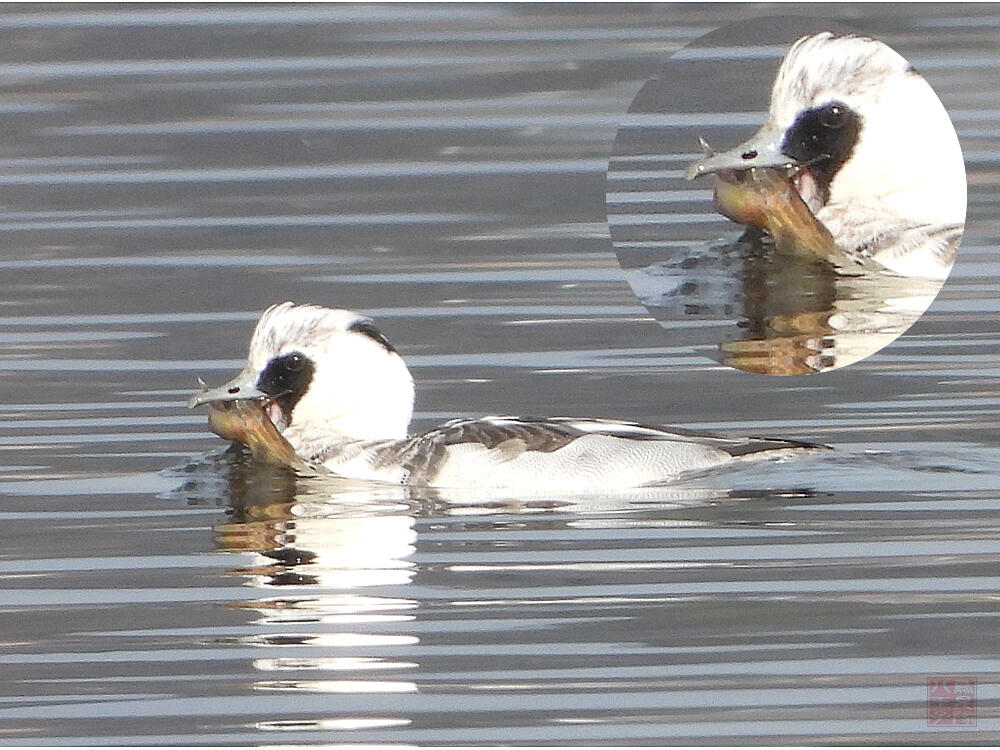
column 823, row 138
column 286, row 379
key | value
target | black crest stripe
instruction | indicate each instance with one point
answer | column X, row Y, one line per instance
column 367, row 328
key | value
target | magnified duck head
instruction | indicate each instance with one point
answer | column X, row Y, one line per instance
column 869, row 148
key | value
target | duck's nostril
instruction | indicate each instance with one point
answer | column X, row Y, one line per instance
column 748, row 155
column 234, row 389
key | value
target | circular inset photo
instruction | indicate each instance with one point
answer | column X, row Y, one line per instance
column 787, row 195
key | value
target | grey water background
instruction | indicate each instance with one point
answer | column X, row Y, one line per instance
column 168, row 171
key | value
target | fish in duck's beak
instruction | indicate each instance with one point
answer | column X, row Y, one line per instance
column 767, row 199
column 240, row 411
column 758, row 185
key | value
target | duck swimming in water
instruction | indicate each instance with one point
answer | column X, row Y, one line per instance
column 341, row 396
column 869, row 148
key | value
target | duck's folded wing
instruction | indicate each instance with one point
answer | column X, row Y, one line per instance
column 922, row 251
column 505, row 438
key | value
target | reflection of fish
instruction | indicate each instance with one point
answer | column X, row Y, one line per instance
column 870, row 149
column 341, row 395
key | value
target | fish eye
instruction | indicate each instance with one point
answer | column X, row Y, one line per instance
column 833, row 116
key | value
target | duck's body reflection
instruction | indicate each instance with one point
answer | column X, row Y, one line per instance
column 349, row 603
column 363, row 538
column 316, row 557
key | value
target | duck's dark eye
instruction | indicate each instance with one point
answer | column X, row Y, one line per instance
column 288, row 374
column 286, row 379
column 833, row 116
column 823, row 139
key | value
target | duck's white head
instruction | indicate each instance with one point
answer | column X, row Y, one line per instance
column 324, row 375
column 869, row 140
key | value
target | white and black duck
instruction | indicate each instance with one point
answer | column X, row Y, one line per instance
column 341, row 395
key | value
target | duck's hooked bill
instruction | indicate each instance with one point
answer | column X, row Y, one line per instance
column 763, row 149
column 241, row 388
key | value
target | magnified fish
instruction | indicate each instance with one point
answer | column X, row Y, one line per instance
column 767, row 199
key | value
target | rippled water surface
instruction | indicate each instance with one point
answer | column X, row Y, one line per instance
column 167, row 172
